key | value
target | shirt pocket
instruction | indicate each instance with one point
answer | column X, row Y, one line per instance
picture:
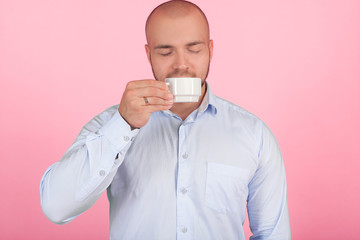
column 226, row 187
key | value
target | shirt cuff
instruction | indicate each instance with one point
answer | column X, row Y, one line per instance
column 118, row 131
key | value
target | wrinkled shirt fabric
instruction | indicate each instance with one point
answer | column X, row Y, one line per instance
column 175, row 179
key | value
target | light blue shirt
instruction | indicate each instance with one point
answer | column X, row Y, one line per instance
column 175, row 179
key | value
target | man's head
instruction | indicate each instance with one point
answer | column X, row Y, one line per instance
column 178, row 41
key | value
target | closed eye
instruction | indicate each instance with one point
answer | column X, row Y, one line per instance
column 164, row 51
column 194, row 51
column 165, row 54
column 195, row 47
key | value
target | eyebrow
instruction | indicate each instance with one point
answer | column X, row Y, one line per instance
column 194, row 43
column 163, row 46
column 166, row 46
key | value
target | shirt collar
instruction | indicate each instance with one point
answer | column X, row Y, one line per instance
column 208, row 102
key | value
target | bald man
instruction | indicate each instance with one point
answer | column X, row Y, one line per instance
column 173, row 170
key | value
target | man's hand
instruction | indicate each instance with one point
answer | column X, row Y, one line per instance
column 141, row 98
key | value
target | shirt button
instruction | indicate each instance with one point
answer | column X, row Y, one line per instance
column 184, row 229
column 184, row 191
column 102, row 173
column 126, row 138
column 185, row 156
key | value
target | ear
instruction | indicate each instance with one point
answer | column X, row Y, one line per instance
column 147, row 50
column 211, row 48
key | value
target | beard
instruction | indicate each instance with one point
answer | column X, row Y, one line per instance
column 181, row 73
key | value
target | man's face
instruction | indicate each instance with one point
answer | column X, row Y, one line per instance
column 179, row 47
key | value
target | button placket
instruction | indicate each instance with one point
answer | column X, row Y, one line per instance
column 184, row 219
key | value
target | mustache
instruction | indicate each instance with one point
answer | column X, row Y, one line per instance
column 180, row 73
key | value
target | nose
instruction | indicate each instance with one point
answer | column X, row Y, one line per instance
column 180, row 62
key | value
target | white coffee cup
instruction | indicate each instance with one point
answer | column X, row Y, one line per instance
column 184, row 89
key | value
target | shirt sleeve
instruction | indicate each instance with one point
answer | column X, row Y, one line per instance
column 267, row 200
column 73, row 184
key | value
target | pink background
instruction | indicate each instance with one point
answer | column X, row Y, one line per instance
column 295, row 64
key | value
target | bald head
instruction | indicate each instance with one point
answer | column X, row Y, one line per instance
column 178, row 41
column 175, row 9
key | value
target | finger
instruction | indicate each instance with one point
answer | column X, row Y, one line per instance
column 155, row 108
column 157, row 101
column 154, row 92
column 147, row 83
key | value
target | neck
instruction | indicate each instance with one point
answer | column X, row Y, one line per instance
column 183, row 110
